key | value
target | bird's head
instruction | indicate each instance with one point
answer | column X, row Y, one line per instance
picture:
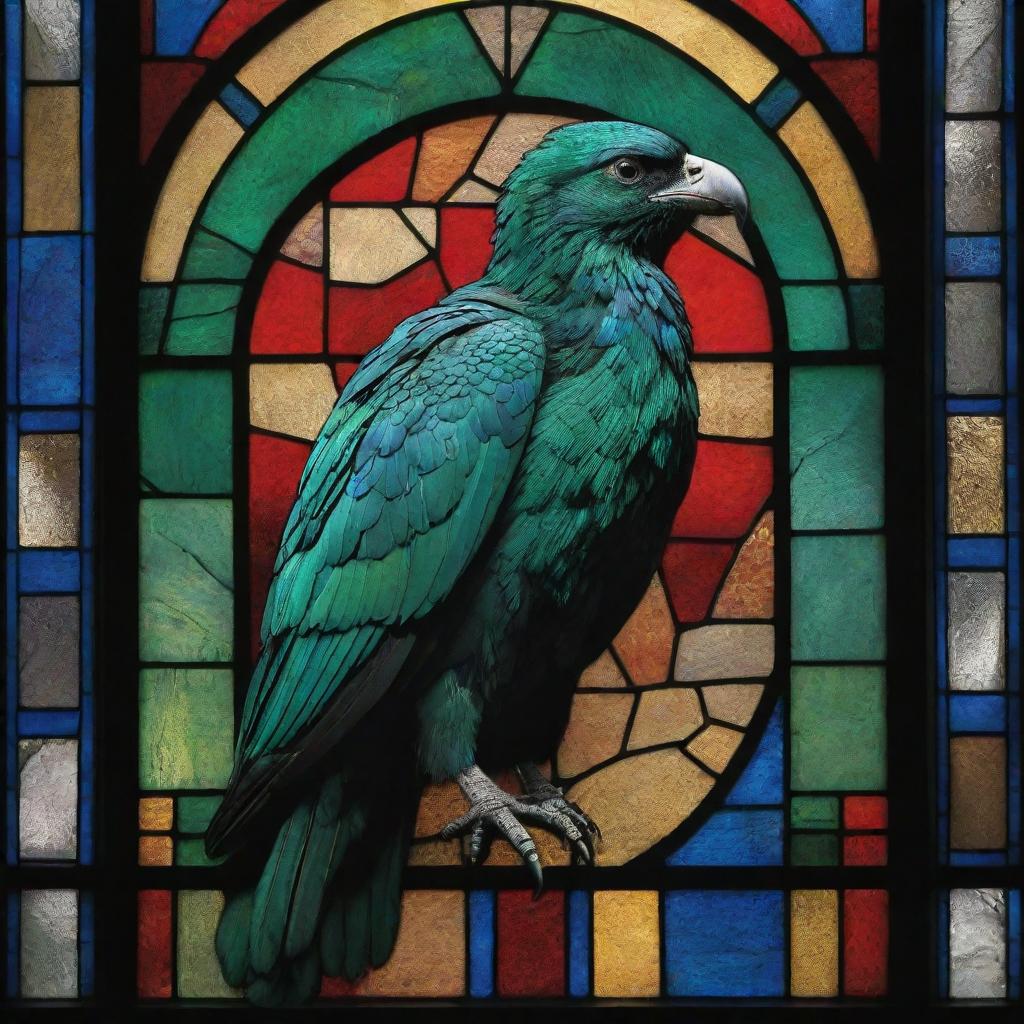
column 612, row 181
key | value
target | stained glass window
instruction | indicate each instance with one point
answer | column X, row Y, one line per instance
column 832, row 631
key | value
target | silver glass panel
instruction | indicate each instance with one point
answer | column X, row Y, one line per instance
column 973, row 176
column 977, row 943
column 974, row 68
column 977, row 649
column 974, row 338
column 48, row 799
column 49, row 944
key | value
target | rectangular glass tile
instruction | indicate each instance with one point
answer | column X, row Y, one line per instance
column 977, row 943
column 976, row 645
column 977, row 792
column 974, row 256
column 49, row 944
column 974, row 338
column 836, row 454
column 199, row 975
column 48, row 638
column 48, row 799
column 52, row 43
column 976, row 712
column 973, row 55
column 626, row 944
column 973, row 176
column 49, row 515
column 186, row 580
column 52, row 193
column 976, row 495
column 814, row 943
column 815, row 317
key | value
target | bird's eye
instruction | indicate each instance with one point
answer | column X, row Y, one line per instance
column 627, row 170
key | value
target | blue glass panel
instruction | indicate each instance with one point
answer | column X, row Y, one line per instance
column 777, row 102
column 46, row 422
column 977, row 553
column 1013, row 942
column 86, row 944
column 972, row 858
column 724, row 943
column 970, row 712
column 481, row 943
column 48, row 723
column 579, row 943
column 12, row 82
column 50, row 319
column 841, row 25
column 12, row 277
column 241, row 104
column 42, row 572
column 973, row 256
column 178, row 24
column 734, row 838
column 761, row 781
column 977, row 406
column 88, row 116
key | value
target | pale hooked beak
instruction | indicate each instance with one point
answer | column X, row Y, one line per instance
column 706, row 187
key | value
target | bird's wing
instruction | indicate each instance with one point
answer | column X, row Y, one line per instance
column 401, row 487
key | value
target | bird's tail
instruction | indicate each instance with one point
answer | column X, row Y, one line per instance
column 329, row 898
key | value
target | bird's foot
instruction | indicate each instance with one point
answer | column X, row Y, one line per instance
column 577, row 827
column 493, row 812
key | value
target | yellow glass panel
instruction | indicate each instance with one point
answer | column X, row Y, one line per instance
column 445, row 155
column 212, row 138
column 735, row 398
column 155, row 851
column 156, row 813
column 596, row 726
column 722, row 51
column 318, row 34
column 640, row 799
column 52, row 198
column 665, row 716
column 645, row 642
column 715, row 746
column 976, row 497
column 814, row 942
column 816, row 150
column 749, row 589
column 291, row 398
column 627, row 953
column 430, row 954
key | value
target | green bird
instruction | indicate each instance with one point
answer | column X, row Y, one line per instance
column 479, row 516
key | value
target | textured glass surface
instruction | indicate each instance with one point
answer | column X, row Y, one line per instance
column 52, row 39
column 973, row 176
column 976, row 491
column 49, row 944
column 814, row 943
column 977, row 607
column 977, row 943
column 48, row 483
column 973, row 55
column 48, row 634
column 974, row 341
column 977, row 792
column 48, row 799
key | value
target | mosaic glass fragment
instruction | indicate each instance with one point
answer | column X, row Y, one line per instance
column 526, row 22
column 156, row 813
column 48, row 638
column 749, row 589
column 48, row 799
column 370, row 245
column 733, row 702
column 814, row 812
column 48, row 490
column 488, row 24
column 665, row 716
column 292, row 399
column 305, row 244
column 515, row 134
column 973, row 176
column 735, row 398
column 726, row 651
column 977, row 943
column 715, row 746
column 596, row 726
column 645, row 643
column 202, row 320
column 817, row 850
column 974, row 338
column 49, row 944
column 815, row 317
column 867, row 310
column 976, row 644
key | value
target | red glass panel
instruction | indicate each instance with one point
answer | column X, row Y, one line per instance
column 861, row 812
column 871, row 20
column 724, row 300
column 531, row 941
column 786, row 22
column 865, row 942
column 855, row 82
column 275, row 465
column 731, row 482
column 163, row 85
column 692, row 573
column 289, row 314
column 360, row 318
column 342, row 373
column 154, row 949
column 146, row 27
column 234, row 19
column 465, row 242
column 865, row 851
column 384, row 179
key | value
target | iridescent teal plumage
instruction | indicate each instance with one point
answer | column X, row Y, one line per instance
column 480, row 513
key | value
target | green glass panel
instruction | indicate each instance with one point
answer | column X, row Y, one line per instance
column 814, row 812
column 595, row 63
column 199, row 974
column 212, row 256
column 838, row 598
column 805, row 851
column 397, row 74
column 837, row 727
column 867, row 307
column 203, row 320
column 836, row 453
column 194, row 813
column 815, row 317
column 186, row 584
column 185, row 431
column 152, row 311
column 186, row 726
column 191, row 853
